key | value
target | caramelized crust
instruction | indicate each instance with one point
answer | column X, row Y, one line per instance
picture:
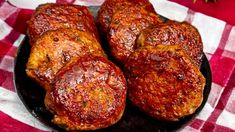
column 109, row 7
column 54, row 49
column 54, row 16
column 171, row 33
column 125, row 27
column 88, row 93
column 163, row 82
column 85, row 91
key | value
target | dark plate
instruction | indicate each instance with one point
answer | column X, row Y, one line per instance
column 32, row 95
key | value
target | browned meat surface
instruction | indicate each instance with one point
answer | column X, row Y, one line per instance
column 54, row 16
column 125, row 27
column 54, row 49
column 163, row 82
column 88, row 93
column 109, row 7
column 85, row 91
column 171, row 33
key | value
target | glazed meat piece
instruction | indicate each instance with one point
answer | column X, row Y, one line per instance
column 125, row 27
column 54, row 49
column 171, row 33
column 163, row 82
column 109, row 7
column 54, row 16
column 88, row 93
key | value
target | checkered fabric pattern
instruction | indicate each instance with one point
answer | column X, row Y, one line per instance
column 219, row 45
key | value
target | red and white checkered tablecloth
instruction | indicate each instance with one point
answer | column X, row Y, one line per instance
column 219, row 45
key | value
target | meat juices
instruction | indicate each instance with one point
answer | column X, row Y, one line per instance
column 88, row 93
column 163, row 82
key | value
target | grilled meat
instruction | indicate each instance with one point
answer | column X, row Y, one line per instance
column 125, row 27
column 163, row 82
column 171, row 33
column 54, row 49
column 109, row 7
column 54, row 16
column 88, row 93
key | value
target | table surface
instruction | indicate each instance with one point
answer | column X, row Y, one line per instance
column 213, row 20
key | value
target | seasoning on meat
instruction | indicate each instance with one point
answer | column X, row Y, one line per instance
column 125, row 27
column 109, row 7
column 53, row 16
column 171, row 33
column 163, row 82
column 56, row 48
column 88, row 93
